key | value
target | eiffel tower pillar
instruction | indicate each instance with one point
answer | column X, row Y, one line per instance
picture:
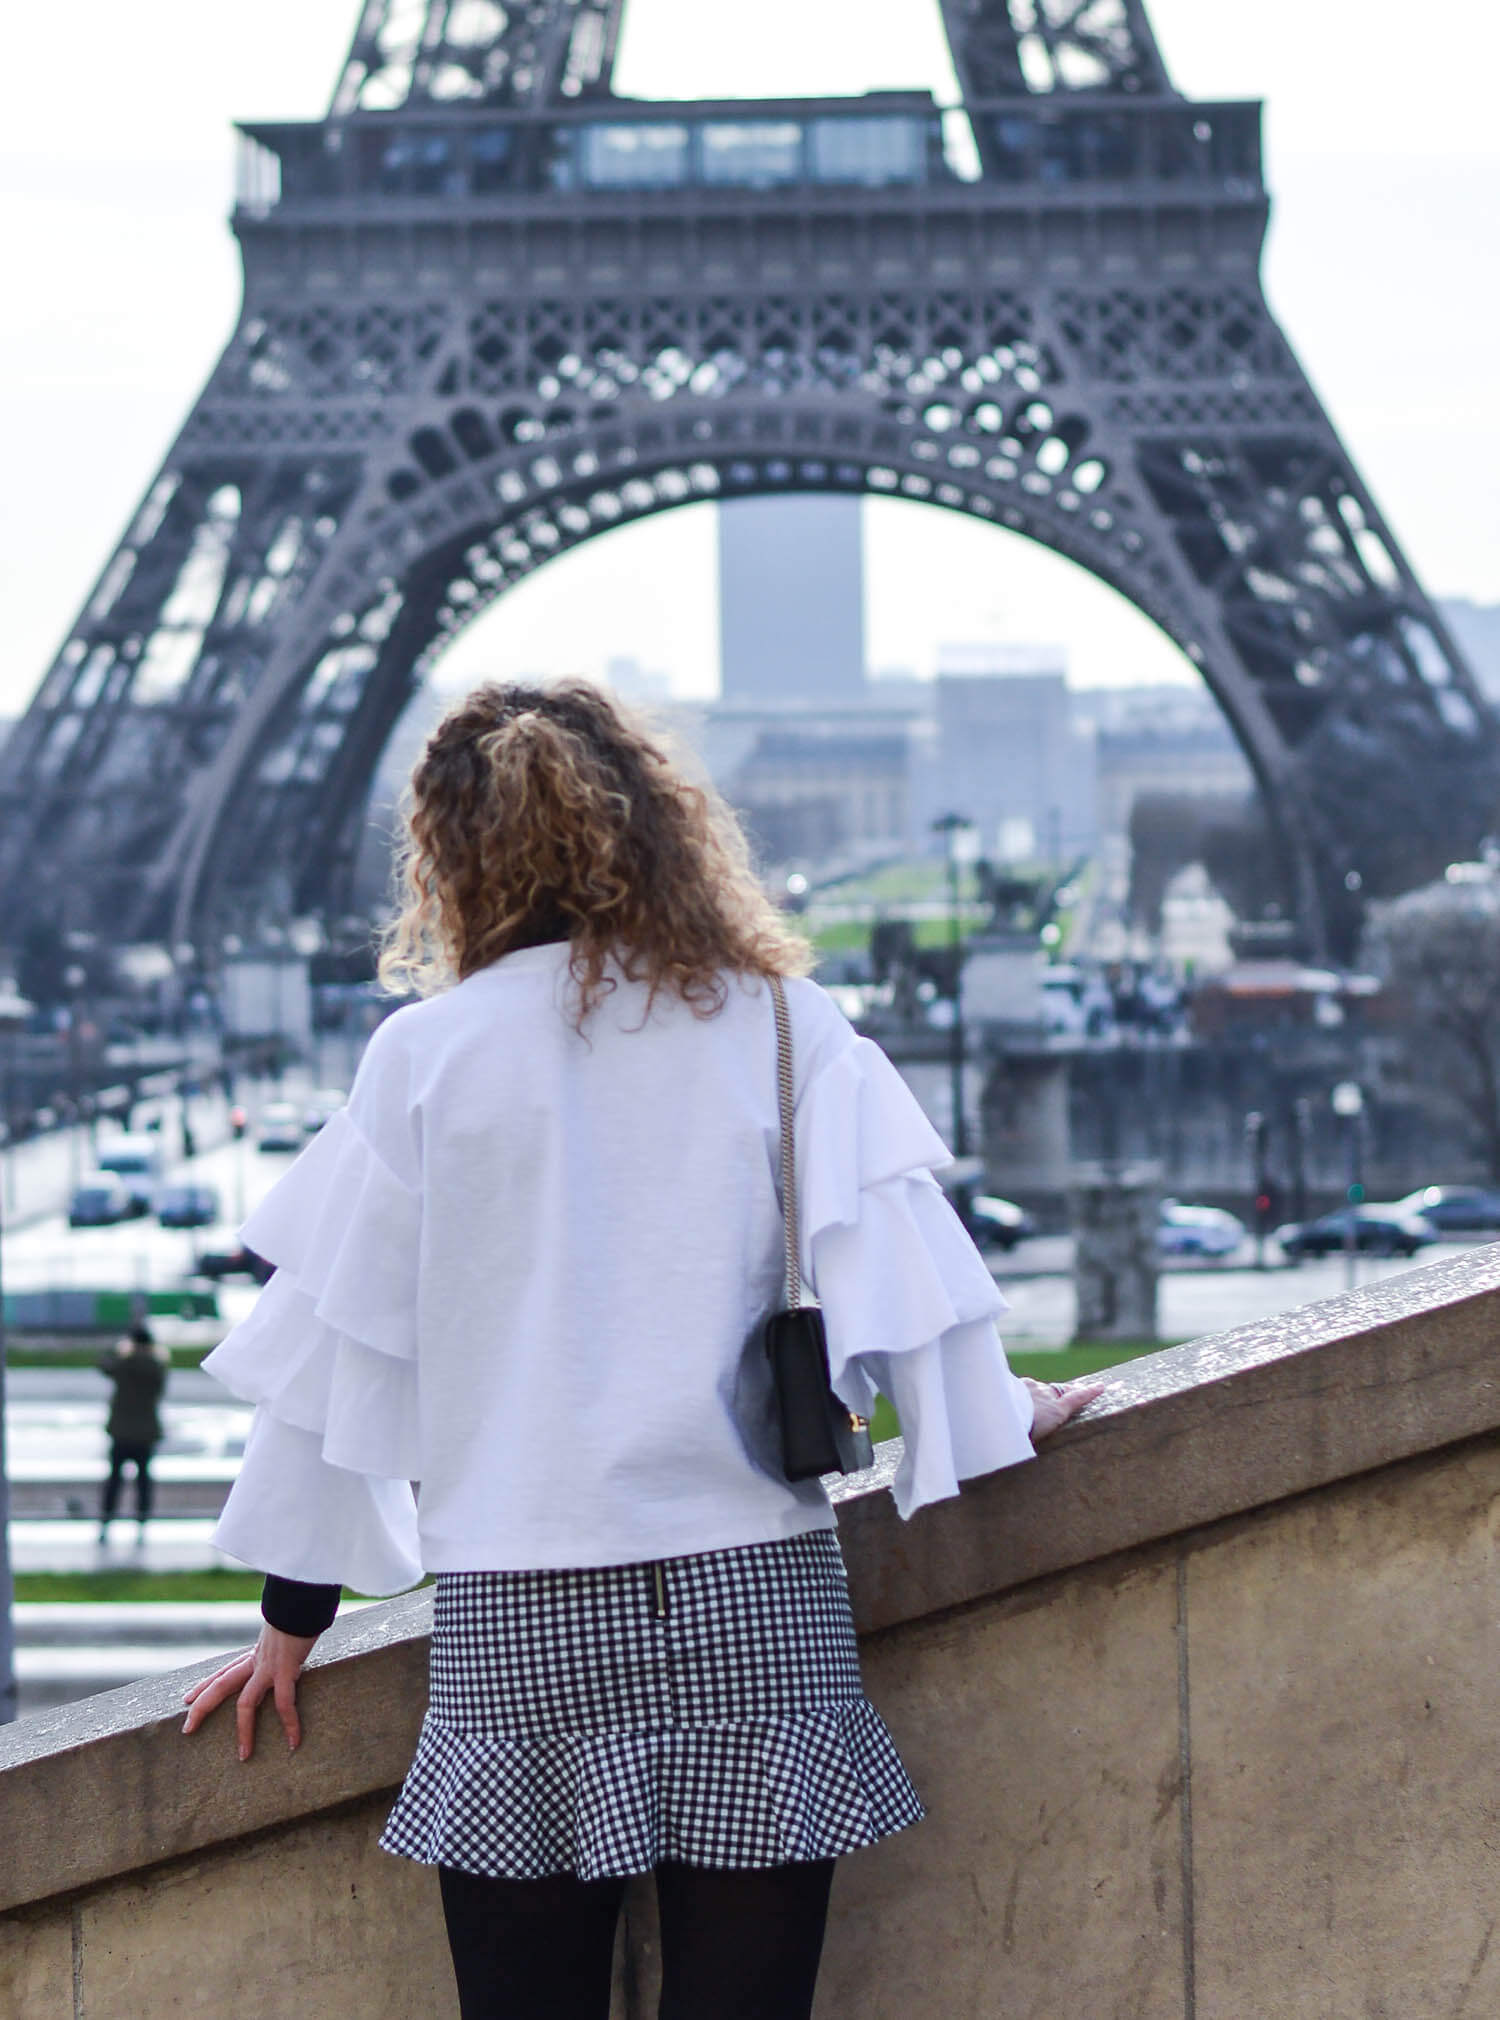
column 492, row 311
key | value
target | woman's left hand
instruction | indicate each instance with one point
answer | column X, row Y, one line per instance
column 1057, row 1403
column 272, row 1666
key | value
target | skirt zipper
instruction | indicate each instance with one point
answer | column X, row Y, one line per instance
column 659, row 1580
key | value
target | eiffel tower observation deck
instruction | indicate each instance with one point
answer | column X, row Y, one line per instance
column 492, row 310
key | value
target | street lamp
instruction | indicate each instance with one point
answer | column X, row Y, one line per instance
column 1302, row 1124
column 14, row 1010
column 1348, row 1103
column 74, row 979
column 1255, row 1144
column 955, row 830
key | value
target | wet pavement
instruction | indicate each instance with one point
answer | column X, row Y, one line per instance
column 165, row 1543
column 66, row 1651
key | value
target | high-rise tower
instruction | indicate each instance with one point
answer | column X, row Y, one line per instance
column 791, row 600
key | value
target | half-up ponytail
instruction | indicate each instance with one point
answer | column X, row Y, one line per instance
column 548, row 813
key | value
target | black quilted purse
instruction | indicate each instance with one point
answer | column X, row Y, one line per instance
column 819, row 1434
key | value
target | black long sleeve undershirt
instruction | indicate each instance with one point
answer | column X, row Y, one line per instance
column 294, row 1608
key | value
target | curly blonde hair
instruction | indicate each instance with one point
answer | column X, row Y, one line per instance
column 552, row 813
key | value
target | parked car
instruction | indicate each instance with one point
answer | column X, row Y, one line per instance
column 235, row 1262
column 138, row 1161
column 1453, row 1209
column 1076, row 1002
column 1197, row 1230
column 1378, row 1230
column 998, row 1223
column 103, row 1200
column 320, row 1106
column 187, row 1206
column 279, row 1127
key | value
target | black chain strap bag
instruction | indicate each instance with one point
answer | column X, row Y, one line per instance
column 819, row 1434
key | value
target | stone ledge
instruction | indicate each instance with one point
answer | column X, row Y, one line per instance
column 1199, row 1432
column 109, row 1785
column 1183, row 1438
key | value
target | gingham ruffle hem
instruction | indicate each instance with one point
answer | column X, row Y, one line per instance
column 749, row 1794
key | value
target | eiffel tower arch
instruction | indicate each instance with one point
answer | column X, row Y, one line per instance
column 492, row 310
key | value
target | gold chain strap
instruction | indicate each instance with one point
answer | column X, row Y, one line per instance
column 786, row 1100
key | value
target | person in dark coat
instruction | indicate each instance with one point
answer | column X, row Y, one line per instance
column 138, row 1369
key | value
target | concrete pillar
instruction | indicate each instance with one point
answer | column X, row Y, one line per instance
column 1115, row 1264
column 1023, row 1127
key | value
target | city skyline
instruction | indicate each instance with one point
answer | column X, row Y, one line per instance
column 117, row 216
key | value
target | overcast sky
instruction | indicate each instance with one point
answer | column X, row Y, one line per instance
column 115, row 173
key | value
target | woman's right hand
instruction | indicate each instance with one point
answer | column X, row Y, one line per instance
column 1057, row 1403
column 271, row 1667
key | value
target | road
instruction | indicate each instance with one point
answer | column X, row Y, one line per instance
column 44, row 1253
column 1193, row 1301
column 55, row 1416
column 37, row 1176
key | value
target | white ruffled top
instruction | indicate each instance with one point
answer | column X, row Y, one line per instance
column 528, row 1266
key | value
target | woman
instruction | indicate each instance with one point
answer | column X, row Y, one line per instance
column 137, row 1371
column 528, row 1266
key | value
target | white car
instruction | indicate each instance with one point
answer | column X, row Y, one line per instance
column 279, row 1127
column 320, row 1106
column 1197, row 1230
column 138, row 1161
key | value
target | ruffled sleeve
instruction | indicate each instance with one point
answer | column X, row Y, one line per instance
column 329, row 1357
column 908, row 1303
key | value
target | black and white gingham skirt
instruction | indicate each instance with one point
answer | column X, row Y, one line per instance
column 706, row 1710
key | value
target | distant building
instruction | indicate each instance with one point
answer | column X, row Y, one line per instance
column 1476, row 626
column 1163, row 705
column 807, row 793
column 791, row 600
column 1158, row 740
column 641, row 686
column 899, row 687
column 810, row 783
column 985, row 658
column 1007, row 754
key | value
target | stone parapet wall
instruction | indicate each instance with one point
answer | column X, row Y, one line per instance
column 1200, row 1704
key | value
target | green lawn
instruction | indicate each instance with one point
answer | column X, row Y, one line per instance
column 852, row 936
column 843, row 936
column 50, row 1586
column 88, row 1356
column 1066, row 1364
column 133, row 1586
column 1046, row 1364
column 912, row 882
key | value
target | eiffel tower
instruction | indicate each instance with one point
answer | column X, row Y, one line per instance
column 492, row 310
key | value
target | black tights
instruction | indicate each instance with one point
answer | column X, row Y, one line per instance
column 735, row 1945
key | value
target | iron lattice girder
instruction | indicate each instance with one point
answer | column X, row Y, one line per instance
column 427, row 398
column 1002, row 48
column 537, row 52
column 527, row 53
